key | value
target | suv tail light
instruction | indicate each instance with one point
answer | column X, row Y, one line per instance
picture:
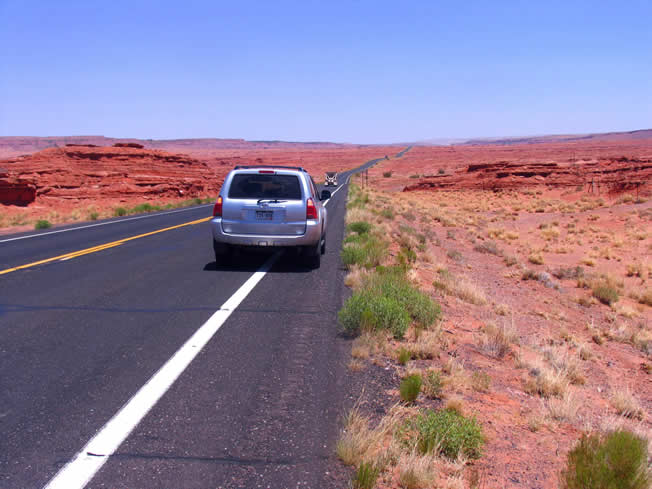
column 311, row 210
column 217, row 209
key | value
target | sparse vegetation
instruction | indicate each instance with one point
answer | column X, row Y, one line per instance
column 605, row 293
column 432, row 384
column 42, row 224
column 446, row 432
column 480, row 381
column 366, row 476
column 410, row 388
column 387, row 301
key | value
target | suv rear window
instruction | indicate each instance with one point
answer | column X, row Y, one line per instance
column 257, row 186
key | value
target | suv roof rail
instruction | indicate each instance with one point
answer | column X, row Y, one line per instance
column 247, row 167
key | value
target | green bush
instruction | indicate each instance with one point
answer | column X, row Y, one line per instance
column 366, row 476
column 410, row 388
column 93, row 216
column 404, row 355
column 448, row 433
column 146, row 207
column 617, row 460
column 432, row 384
column 367, row 309
column 387, row 174
column 392, row 282
column 42, row 224
column 366, row 250
column 359, row 227
column 605, row 293
column 119, row 212
column 387, row 213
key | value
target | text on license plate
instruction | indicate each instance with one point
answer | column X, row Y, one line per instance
column 264, row 215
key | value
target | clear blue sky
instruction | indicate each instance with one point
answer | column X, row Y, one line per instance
column 357, row 71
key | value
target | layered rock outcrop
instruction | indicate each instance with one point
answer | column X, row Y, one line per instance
column 611, row 174
column 91, row 172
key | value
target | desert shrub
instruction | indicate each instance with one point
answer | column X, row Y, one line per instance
column 645, row 297
column 416, row 175
column 410, row 388
column 93, row 216
column 147, row 207
column 536, row 258
column 366, row 476
column 387, row 174
column 569, row 273
column 480, row 381
column 488, row 247
column 496, row 341
column 447, row 433
column 387, row 213
column 626, row 404
column 605, row 293
column 441, row 171
column 455, row 256
column 367, row 309
column 42, row 224
column 617, row 460
column 120, row 211
column 366, row 250
column 407, row 256
column 403, row 356
column 510, row 260
column 359, row 227
column 432, row 384
column 392, row 282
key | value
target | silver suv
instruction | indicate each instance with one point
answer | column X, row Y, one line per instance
column 270, row 206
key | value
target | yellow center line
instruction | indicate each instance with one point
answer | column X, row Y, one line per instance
column 94, row 249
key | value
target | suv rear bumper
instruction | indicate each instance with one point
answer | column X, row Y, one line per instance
column 310, row 238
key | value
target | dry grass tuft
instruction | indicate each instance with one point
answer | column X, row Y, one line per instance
column 462, row 288
column 564, row 408
column 356, row 276
column 625, row 404
column 417, row 471
column 496, row 340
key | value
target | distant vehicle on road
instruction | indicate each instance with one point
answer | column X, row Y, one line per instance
column 270, row 207
column 331, row 179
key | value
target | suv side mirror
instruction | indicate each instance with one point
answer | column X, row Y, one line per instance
column 325, row 195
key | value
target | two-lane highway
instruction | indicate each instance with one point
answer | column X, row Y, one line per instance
column 84, row 339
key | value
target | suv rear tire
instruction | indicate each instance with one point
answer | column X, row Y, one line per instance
column 222, row 252
column 312, row 255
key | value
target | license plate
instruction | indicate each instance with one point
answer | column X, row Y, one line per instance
column 264, row 215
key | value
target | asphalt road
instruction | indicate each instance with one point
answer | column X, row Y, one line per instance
column 81, row 335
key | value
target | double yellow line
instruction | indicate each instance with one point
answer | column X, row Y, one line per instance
column 106, row 246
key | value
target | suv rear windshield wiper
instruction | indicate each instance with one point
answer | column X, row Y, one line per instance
column 271, row 201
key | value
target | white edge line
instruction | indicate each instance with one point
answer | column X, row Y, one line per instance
column 81, row 469
column 105, row 223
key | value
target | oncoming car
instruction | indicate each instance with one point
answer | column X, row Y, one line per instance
column 331, row 179
column 270, row 207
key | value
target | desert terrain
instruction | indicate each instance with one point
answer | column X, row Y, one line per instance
column 539, row 256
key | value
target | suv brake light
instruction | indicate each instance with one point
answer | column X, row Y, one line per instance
column 272, row 172
column 217, row 209
column 311, row 210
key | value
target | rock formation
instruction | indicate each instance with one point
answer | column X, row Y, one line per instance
column 91, row 172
